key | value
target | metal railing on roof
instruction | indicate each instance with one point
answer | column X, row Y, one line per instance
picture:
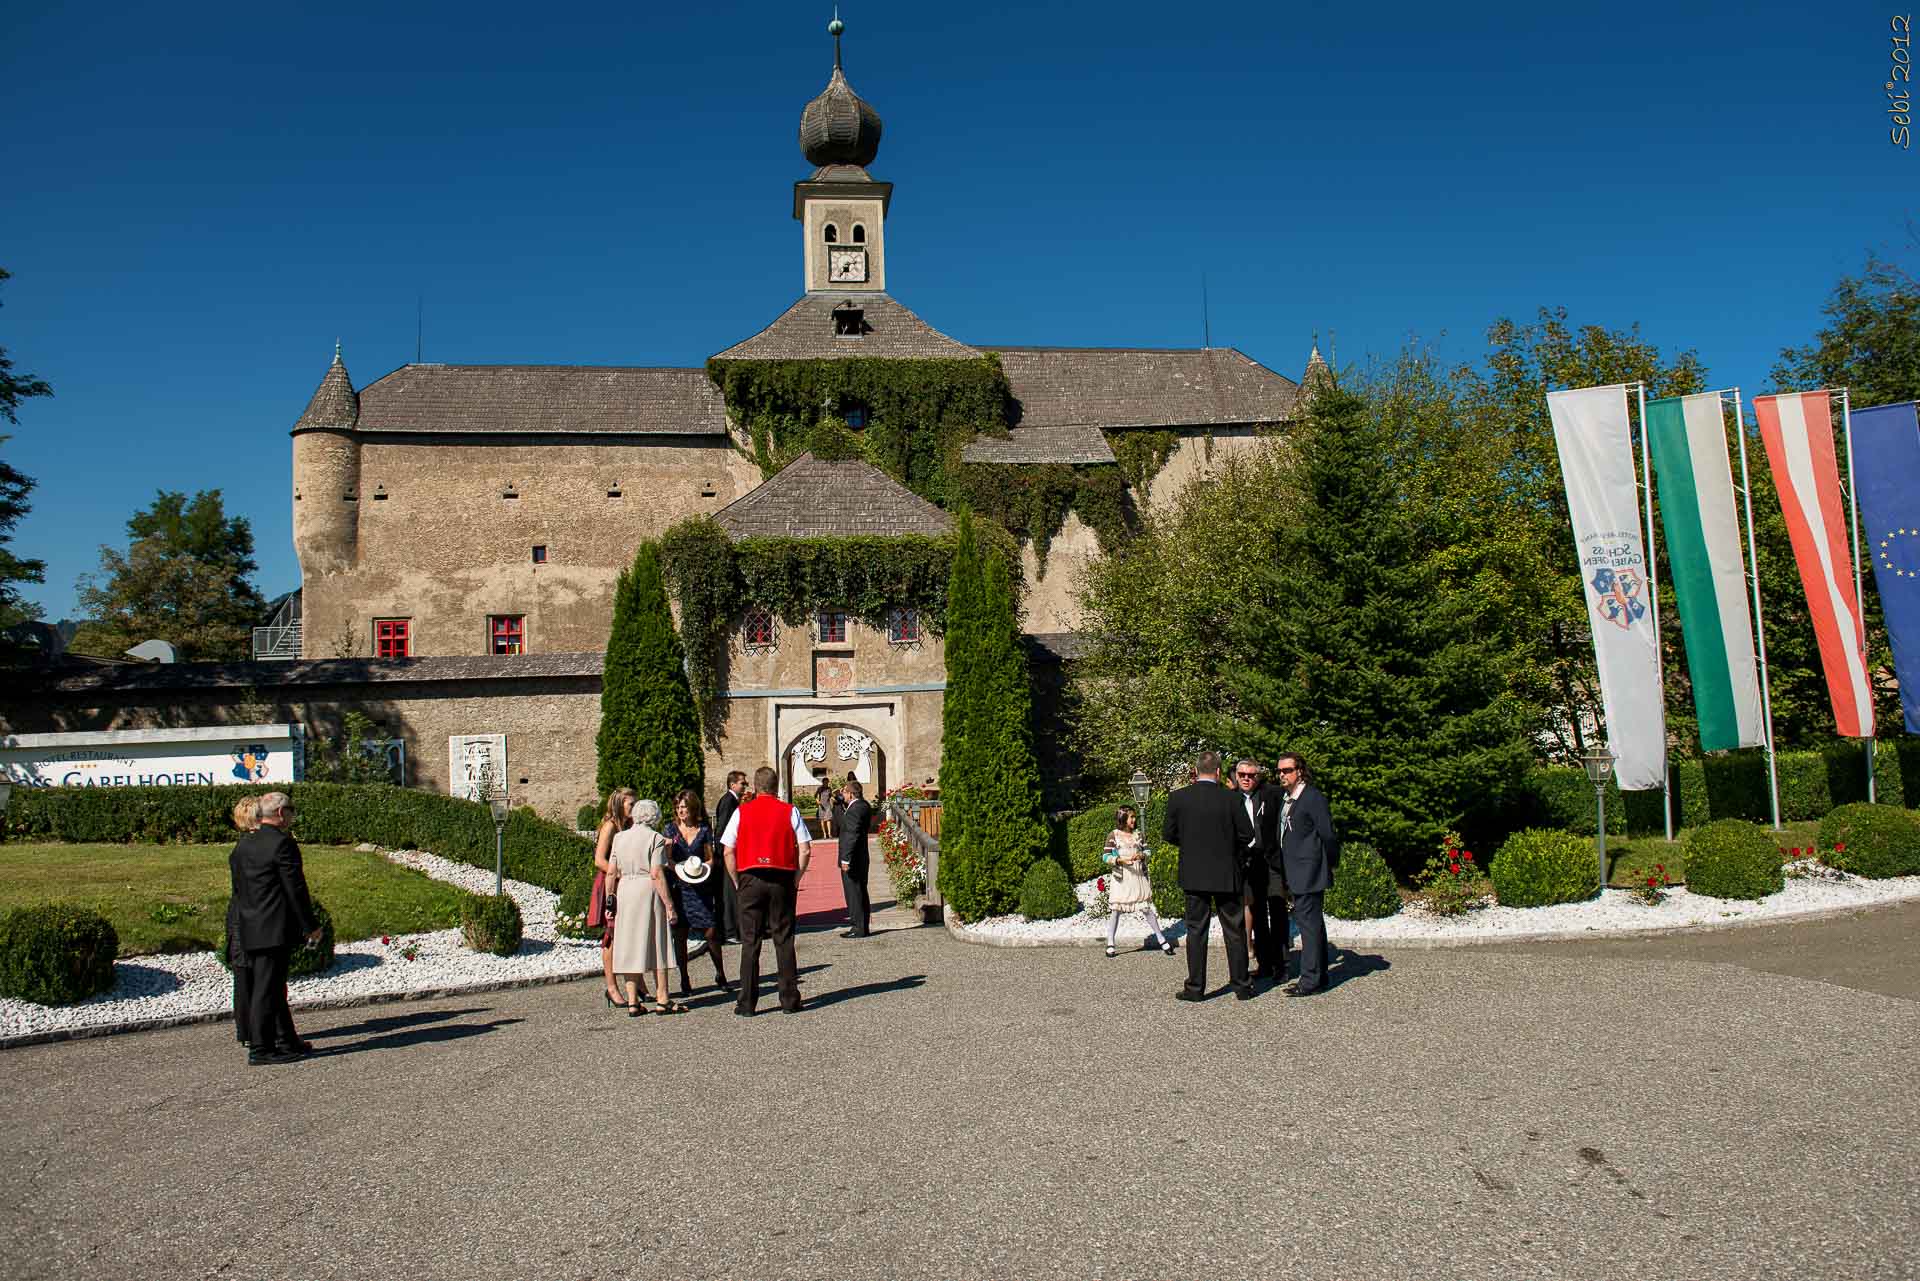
column 276, row 644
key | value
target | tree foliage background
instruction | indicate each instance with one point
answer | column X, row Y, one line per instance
column 14, row 488
column 1466, row 461
column 992, row 826
column 184, row 578
column 649, row 736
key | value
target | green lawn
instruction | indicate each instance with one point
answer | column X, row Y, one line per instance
column 173, row 898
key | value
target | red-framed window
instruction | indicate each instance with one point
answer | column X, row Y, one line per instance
column 508, row 633
column 756, row 629
column 903, row 626
column 392, row 637
column 833, row 626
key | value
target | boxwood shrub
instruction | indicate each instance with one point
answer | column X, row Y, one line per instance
column 308, row 958
column 1731, row 858
column 56, row 953
column 537, row 851
column 1045, row 894
column 588, row 818
column 1874, row 841
column 1163, row 873
column 570, row 913
column 1364, row 887
column 490, row 923
column 1539, row 867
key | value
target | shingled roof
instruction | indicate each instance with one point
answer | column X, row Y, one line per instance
column 334, row 403
column 565, row 399
column 1143, row 387
column 812, row 498
column 805, row 331
column 1077, row 443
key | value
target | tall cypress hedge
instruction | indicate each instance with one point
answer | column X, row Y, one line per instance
column 649, row 736
column 992, row 826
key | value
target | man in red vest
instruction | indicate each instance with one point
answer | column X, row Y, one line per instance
column 766, row 845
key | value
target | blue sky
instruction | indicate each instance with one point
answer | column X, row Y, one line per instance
column 201, row 198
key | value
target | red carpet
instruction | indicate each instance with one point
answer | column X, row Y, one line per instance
column 821, row 902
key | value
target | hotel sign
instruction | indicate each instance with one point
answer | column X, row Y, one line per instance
column 201, row 757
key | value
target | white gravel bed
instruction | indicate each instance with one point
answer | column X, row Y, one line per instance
column 1821, row 892
column 185, row 987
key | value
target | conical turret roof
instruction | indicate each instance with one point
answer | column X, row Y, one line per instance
column 334, row 403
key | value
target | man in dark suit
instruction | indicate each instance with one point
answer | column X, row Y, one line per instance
column 855, row 822
column 722, row 815
column 1305, row 855
column 1209, row 824
column 273, row 914
column 1253, row 798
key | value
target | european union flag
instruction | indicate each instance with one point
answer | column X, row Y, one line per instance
column 1886, row 456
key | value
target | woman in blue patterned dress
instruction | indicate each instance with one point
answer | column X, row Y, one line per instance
column 694, row 881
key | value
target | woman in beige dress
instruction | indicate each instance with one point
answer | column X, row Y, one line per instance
column 1128, row 889
column 643, row 922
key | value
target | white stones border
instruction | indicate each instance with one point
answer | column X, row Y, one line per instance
column 165, row 991
column 1615, row 913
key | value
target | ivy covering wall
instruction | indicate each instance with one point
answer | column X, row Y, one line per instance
column 921, row 414
column 715, row 581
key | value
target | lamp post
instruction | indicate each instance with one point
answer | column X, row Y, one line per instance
column 498, row 803
column 1142, row 789
column 1599, row 763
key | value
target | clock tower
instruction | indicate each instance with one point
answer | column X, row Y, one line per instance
column 841, row 209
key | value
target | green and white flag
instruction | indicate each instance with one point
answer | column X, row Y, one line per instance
column 1689, row 444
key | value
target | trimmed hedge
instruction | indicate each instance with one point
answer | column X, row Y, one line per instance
column 1539, row 867
column 1874, row 841
column 308, row 958
column 1364, row 888
column 587, row 818
column 537, row 851
column 490, row 923
column 1730, row 858
column 1045, row 894
column 1163, row 872
column 1730, row 785
column 56, row 953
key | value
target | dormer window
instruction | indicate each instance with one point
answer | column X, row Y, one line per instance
column 849, row 321
column 859, row 234
column 833, row 234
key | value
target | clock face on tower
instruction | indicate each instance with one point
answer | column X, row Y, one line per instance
column 847, row 264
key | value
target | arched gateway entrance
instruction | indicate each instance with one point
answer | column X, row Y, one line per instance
column 831, row 751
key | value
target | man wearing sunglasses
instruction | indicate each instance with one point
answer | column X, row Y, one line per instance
column 1304, row 857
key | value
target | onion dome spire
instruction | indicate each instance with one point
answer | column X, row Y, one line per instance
column 334, row 403
column 838, row 127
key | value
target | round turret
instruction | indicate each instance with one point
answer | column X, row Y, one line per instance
column 326, row 476
column 839, row 127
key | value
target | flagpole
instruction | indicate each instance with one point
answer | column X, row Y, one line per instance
column 1759, row 626
column 1653, row 603
column 1859, row 597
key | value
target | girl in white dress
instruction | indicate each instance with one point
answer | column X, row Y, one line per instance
column 642, row 925
column 1128, row 889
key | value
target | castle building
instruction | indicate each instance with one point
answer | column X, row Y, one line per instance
column 465, row 524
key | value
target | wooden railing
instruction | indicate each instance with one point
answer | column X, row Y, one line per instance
column 920, row 820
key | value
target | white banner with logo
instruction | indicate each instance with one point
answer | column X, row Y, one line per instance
column 1596, row 457
column 194, row 757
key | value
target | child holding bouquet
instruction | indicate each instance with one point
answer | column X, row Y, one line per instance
column 1129, row 890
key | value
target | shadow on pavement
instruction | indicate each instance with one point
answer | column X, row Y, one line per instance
column 417, row 1036
column 858, row 990
column 393, row 1022
column 1347, row 965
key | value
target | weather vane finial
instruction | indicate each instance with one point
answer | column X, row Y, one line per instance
column 336, row 349
column 834, row 29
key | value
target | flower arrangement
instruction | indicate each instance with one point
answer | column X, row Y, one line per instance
column 906, row 867
column 407, row 950
column 1649, row 887
column 1451, row 883
column 1812, row 863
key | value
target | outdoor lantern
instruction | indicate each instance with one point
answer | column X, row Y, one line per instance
column 498, row 803
column 1599, row 763
column 1142, row 788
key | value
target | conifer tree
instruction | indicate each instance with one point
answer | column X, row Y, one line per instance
column 992, row 825
column 649, row 736
column 1371, row 662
